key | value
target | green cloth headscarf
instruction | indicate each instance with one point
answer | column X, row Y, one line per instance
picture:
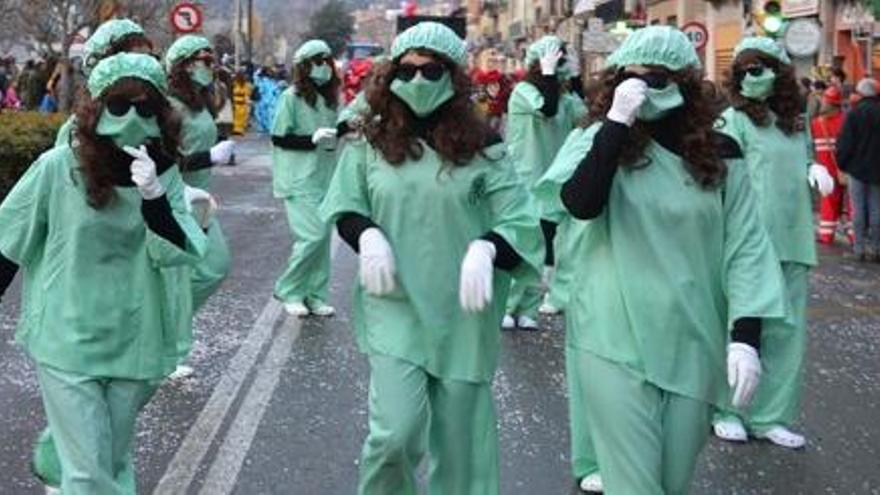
column 656, row 45
column 136, row 65
column 99, row 43
column 542, row 47
column 765, row 45
column 311, row 48
column 431, row 36
column 184, row 48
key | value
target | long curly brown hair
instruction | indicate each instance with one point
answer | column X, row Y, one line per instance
column 309, row 91
column 699, row 114
column 458, row 136
column 98, row 155
column 181, row 86
column 786, row 102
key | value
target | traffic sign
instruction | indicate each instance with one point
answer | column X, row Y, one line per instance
column 697, row 33
column 186, row 17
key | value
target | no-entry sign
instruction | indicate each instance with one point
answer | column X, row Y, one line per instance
column 186, row 18
column 697, row 33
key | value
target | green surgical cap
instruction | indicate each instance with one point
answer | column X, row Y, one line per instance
column 656, row 45
column 542, row 47
column 184, row 48
column 764, row 45
column 431, row 36
column 122, row 65
column 311, row 48
column 99, row 43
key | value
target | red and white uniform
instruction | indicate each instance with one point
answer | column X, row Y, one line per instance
column 834, row 207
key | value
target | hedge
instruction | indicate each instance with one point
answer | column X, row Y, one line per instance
column 24, row 136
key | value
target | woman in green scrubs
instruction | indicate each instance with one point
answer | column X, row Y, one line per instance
column 92, row 225
column 440, row 221
column 673, row 268
column 304, row 137
column 767, row 121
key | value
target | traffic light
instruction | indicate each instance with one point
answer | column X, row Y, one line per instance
column 772, row 21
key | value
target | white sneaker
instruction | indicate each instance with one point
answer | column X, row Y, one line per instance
column 323, row 310
column 51, row 490
column 548, row 309
column 182, row 371
column 591, row 483
column 783, row 437
column 296, row 308
column 731, row 430
column 526, row 323
column 508, row 323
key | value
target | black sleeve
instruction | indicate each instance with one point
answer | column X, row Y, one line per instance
column 8, row 268
column 196, row 161
column 342, row 129
column 726, row 147
column 586, row 193
column 549, row 88
column 157, row 214
column 747, row 331
column 294, row 142
column 350, row 226
column 506, row 258
column 845, row 141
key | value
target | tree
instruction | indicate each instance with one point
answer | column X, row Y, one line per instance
column 332, row 23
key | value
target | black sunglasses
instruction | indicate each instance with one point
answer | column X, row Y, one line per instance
column 654, row 80
column 753, row 70
column 120, row 106
column 319, row 60
column 431, row 71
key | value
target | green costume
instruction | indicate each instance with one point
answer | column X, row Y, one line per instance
column 777, row 165
column 651, row 313
column 300, row 178
column 430, row 210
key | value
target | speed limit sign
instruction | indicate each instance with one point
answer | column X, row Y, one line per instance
column 697, row 33
column 186, row 18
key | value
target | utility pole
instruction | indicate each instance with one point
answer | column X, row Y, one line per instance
column 250, row 30
column 236, row 36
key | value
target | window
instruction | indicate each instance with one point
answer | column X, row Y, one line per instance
column 672, row 21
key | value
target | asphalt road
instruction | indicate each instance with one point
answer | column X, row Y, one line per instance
column 278, row 406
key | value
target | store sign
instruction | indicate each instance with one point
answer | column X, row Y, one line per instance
column 800, row 8
column 803, row 38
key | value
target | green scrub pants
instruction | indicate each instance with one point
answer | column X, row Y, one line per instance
column 210, row 272
column 647, row 439
column 783, row 345
column 93, row 421
column 308, row 269
column 524, row 299
column 558, row 292
column 413, row 413
column 583, row 452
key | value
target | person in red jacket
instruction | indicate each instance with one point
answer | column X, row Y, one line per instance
column 825, row 127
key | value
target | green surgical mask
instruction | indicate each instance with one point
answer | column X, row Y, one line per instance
column 659, row 102
column 201, row 74
column 321, row 74
column 128, row 130
column 423, row 96
column 758, row 87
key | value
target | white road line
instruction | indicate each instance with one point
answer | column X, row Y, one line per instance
column 227, row 464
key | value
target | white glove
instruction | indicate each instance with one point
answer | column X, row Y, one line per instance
column 201, row 204
column 376, row 262
column 324, row 137
column 628, row 98
column 549, row 62
column 743, row 372
column 821, row 179
column 222, row 152
column 475, row 285
column 143, row 173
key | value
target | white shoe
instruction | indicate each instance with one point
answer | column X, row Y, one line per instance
column 51, row 490
column 296, row 308
column 548, row 309
column 323, row 310
column 783, row 437
column 182, row 371
column 731, row 430
column 508, row 323
column 591, row 483
column 526, row 323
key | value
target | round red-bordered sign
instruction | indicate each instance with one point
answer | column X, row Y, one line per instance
column 697, row 33
column 186, row 18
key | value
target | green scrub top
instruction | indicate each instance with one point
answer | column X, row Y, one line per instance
column 777, row 165
column 94, row 301
column 533, row 138
column 198, row 134
column 664, row 271
column 304, row 174
column 64, row 132
column 430, row 211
